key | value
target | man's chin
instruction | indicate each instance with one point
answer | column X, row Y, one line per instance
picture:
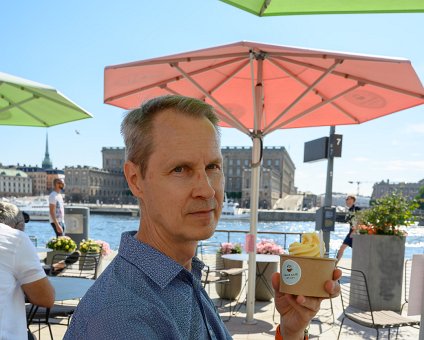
column 206, row 232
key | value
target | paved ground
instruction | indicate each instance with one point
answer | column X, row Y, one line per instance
column 322, row 327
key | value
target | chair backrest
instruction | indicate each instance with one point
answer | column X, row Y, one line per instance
column 206, row 252
column 86, row 266
column 34, row 240
column 354, row 291
column 407, row 278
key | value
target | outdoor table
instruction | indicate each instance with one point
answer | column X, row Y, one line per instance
column 66, row 288
column 69, row 288
column 260, row 270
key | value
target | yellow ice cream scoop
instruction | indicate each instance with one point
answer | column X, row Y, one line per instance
column 311, row 245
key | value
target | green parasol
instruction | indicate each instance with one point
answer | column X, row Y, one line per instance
column 285, row 7
column 27, row 103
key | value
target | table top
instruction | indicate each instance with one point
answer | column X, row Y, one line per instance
column 68, row 288
column 259, row 257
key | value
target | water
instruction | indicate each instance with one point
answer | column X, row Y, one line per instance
column 110, row 227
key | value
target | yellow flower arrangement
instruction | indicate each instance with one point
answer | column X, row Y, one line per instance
column 63, row 243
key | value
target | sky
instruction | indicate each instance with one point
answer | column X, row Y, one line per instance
column 67, row 45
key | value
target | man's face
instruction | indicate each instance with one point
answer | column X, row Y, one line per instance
column 183, row 189
column 349, row 201
column 60, row 184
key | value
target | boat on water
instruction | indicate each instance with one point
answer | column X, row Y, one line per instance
column 37, row 207
column 232, row 211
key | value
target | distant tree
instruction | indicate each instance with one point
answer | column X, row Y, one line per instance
column 420, row 198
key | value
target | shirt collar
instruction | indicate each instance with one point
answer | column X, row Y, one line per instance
column 160, row 268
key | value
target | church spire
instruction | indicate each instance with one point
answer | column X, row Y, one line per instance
column 47, row 164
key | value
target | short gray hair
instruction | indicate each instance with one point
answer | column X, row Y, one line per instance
column 137, row 126
column 11, row 216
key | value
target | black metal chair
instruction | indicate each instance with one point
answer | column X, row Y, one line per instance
column 69, row 265
column 406, row 282
column 86, row 266
column 39, row 315
column 215, row 272
column 357, row 306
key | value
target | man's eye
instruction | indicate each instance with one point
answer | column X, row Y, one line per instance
column 178, row 169
column 213, row 167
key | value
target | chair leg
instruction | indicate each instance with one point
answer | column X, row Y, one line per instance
column 48, row 323
column 332, row 311
column 340, row 329
column 378, row 333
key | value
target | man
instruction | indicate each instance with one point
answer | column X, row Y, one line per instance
column 20, row 273
column 57, row 208
column 152, row 289
column 347, row 242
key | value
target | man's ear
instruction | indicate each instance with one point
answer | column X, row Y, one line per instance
column 133, row 176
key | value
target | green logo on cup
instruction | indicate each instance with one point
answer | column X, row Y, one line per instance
column 290, row 272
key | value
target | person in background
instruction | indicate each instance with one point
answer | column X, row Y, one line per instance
column 57, row 207
column 347, row 242
column 21, row 274
column 152, row 289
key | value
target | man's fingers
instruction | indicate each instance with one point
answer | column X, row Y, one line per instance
column 337, row 274
column 332, row 288
column 276, row 281
column 311, row 303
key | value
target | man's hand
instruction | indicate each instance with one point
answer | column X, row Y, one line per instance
column 297, row 311
column 59, row 229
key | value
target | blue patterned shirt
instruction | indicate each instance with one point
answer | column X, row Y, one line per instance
column 144, row 294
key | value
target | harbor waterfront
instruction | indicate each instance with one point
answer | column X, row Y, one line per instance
column 110, row 227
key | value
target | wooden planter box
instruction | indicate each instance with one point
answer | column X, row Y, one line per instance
column 381, row 258
column 264, row 291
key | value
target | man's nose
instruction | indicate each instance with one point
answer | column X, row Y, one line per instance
column 203, row 186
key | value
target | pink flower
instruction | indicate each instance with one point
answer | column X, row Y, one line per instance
column 105, row 247
column 230, row 248
column 268, row 247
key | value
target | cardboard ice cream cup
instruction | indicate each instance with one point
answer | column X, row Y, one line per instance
column 304, row 275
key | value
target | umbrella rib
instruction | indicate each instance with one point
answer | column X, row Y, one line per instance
column 165, row 82
column 264, row 6
column 233, row 119
column 353, row 77
column 36, row 118
column 223, row 117
column 335, row 55
column 317, row 106
column 303, row 83
column 229, row 77
column 158, row 61
column 18, row 105
column 39, row 94
column 310, row 87
column 12, row 104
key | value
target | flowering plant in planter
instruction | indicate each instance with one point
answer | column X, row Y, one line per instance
column 387, row 216
column 94, row 246
column 230, row 248
column 63, row 243
column 268, row 247
column 104, row 246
